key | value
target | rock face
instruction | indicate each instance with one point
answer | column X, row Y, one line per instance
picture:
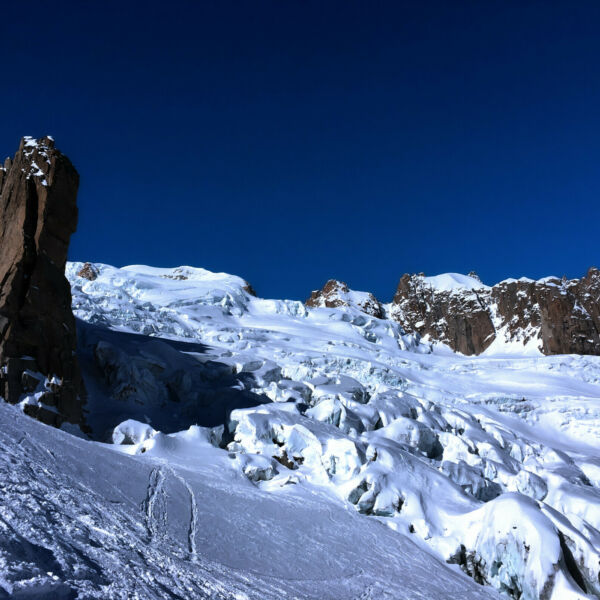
column 38, row 191
column 562, row 314
column 336, row 293
column 249, row 289
column 458, row 317
column 557, row 316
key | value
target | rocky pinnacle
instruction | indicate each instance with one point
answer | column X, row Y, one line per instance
column 38, row 192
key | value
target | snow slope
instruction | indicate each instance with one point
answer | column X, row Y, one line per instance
column 79, row 520
column 447, row 282
column 336, row 447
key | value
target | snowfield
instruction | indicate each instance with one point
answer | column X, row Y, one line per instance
column 251, row 448
column 79, row 520
column 448, row 282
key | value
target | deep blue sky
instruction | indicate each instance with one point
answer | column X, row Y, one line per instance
column 291, row 142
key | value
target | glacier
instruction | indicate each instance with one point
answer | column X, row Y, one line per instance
column 243, row 447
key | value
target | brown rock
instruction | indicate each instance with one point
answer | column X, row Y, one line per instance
column 336, row 293
column 561, row 316
column 3, row 172
column 458, row 318
column 38, row 192
column 247, row 287
column 560, row 313
column 588, row 294
column 88, row 271
column 329, row 295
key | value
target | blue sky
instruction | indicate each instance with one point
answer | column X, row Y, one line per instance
column 291, row 142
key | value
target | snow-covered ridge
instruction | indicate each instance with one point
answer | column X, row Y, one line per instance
column 447, row 282
column 192, row 302
column 457, row 281
column 487, row 463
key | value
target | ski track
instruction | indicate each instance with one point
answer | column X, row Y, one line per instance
column 154, row 502
column 80, row 520
column 193, row 522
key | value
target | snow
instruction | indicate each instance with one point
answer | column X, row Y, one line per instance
column 132, row 432
column 450, row 282
column 30, row 142
column 260, row 447
column 81, row 520
column 30, row 145
column 548, row 280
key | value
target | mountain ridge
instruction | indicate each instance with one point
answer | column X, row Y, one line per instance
column 556, row 316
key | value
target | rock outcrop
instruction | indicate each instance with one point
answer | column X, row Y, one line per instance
column 555, row 316
column 88, row 271
column 558, row 316
column 336, row 293
column 38, row 191
column 561, row 314
column 249, row 289
column 458, row 317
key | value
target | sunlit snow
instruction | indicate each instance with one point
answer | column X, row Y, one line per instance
column 266, row 449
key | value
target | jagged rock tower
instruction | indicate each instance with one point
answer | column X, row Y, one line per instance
column 38, row 214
